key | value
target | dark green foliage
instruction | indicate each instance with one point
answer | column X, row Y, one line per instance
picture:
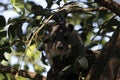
column 50, row 3
column 109, row 25
column 87, row 26
column 16, row 66
column 2, row 57
column 37, row 10
column 19, row 46
column 26, row 67
column 3, row 34
column 4, row 48
column 11, row 32
column 15, row 30
column 2, row 22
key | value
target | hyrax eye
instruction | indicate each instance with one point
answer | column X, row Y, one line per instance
column 47, row 40
column 54, row 38
column 66, row 37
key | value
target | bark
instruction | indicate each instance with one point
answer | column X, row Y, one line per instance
column 23, row 73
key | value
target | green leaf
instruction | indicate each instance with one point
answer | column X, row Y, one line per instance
column 29, row 35
column 2, row 77
column 37, row 10
column 13, row 20
column 17, row 4
column 2, row 57
column 114, row 22
column 109, row 25
column 8, row 50
column 3, row 34
column 16, row 66
column 29, row 5
column 2, row 22
column 6, row 47
column 19, row 47
column 49, row 3
column 19, row 32
column 11, row 32
column 90, row 19
column 102, row 14
column 15, row 30
column 26, row 67
column 38, row 68
column 65, row 1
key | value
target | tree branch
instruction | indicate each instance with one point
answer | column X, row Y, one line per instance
column 87, row 10
column 23, row 73
column 111, row 5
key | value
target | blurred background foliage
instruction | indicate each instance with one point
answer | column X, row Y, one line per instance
column 19, row 41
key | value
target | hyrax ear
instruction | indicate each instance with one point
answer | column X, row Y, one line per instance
column 70, row 27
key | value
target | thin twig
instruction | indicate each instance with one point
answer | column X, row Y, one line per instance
column 36, row 32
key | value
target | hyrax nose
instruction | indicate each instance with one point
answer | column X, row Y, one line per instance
column 59, row 45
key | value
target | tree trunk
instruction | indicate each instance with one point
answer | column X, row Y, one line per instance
column 108, row 65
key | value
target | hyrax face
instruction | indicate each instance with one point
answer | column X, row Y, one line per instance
column 57, row 42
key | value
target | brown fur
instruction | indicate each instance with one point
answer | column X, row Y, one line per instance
column 63, row 47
